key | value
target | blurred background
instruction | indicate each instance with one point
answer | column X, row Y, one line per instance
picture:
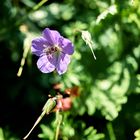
column 104, row 93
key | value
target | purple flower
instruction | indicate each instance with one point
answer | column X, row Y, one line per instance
column 53, row 50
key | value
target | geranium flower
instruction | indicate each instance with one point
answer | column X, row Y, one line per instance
column 53, row 50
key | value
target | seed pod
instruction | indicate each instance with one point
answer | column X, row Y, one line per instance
column 48, row 107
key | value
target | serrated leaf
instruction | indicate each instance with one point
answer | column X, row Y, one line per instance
column 46, row 132
column 91, row 133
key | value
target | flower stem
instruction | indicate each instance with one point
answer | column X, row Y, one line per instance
column 39, row 4
column 58, row 120
column 36, row 7
column 111, row 131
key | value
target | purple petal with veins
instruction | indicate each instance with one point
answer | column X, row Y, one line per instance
column 53, row 50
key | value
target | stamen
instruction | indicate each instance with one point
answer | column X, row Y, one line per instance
column 51, row 50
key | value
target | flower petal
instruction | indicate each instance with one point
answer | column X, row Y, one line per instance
column 44, row 65
column 52, row 59
column 51, row 36
column 63, row 62
column 38, row 45
column 67, row 46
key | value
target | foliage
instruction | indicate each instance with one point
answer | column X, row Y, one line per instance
column 69, row 130
column 137, row 134
column 109, row 87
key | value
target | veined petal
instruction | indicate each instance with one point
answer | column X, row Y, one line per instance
column 62, row 64
column 38, row 45
column 67, row 46
column 44, row 65
column 52, row 58
column 51, row 36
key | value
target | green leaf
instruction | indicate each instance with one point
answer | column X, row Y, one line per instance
column 47, row 132
column 1, row 134
column 110, row 10
column 137, row 134
column 91, row 133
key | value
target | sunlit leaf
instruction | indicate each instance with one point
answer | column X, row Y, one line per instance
column 137, row 134
column 110, row 10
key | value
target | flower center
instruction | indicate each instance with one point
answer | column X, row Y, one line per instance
column 52, row 50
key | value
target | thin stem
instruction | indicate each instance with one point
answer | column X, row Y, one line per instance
column 25, row 53
column 59, row 120
column 39, row 4
column 111, row 131
column 32, row 10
